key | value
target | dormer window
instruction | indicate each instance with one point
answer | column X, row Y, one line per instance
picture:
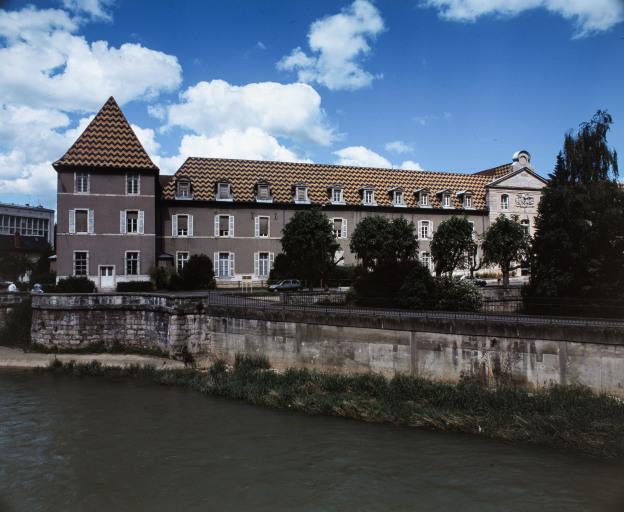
column 422, row 195
column 224, row 191
column 466, row 197
column 301, row 194
column 445, row 198
column 337, row 195
column 263, row 193
column 398, row 197
column 368, row 197
column 183, row 189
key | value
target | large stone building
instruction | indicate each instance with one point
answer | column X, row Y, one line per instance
column 117, row 217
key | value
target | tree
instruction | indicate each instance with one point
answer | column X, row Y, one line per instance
column 13, row 266
column 309, row 244
column 377, row 241
column 198, row 273
column 505, row 242
column 579, row 239
column 451, row 245
column 387, row 250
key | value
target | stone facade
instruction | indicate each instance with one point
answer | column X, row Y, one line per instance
column 532, row 352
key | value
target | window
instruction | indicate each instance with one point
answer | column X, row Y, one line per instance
column 224, row 191
column 368, row 196
column 81, row 263
column 132, row 221
column 81, row 182
column 423, row 198
column 337, row 196
column 301, row 194
column 425, row 259
column 183, row 187
column 340, row 228
column 261, row 228
column 224, row 225
column 262, row 263
column 181, row 259
column 82, row 221
column 424, row 229
column 397, row 198
column 526, row 226
column 263, row 192
column 446, row 200
column 224, row 264
column 183, row 222
column 132, row 183
column 504, row 202
column 467, row 201
column 132, row 263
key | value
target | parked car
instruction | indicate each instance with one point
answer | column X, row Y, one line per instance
column 288, row 285
column 37, row 288
column 474, row 280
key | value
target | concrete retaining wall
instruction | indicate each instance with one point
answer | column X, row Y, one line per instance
column 531, row 352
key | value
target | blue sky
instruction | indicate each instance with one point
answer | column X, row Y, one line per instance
column 454, row 85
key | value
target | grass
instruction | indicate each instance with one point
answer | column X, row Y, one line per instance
column 564, row 416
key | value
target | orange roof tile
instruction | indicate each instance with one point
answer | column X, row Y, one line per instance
column 108, row 141
column 204, row 173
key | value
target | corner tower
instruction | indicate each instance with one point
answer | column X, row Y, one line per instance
column 106, row 203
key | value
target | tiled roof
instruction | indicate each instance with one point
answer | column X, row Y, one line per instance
column 204, row 173
column 108, row 141
column 496, row 172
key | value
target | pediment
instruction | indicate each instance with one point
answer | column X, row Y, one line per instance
column 523, row 178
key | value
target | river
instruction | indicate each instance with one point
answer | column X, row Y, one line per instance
column 95, row 444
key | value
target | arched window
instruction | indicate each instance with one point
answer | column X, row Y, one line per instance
column 505, row 202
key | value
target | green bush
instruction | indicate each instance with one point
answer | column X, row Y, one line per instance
column 244, row 363
column 161, row 276
column 380, row 286
column 135, row 286
column 418, row 289
column 75, row 285
column 197, row 274
column 454, row 295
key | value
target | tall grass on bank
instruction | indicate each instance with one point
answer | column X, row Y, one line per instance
column 565, row 416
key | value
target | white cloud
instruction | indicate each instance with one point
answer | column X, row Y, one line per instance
column 53, row 67
column 360, row 156
column 411, row 165
column 251, row 143
column 286, row 110
column 589, row 16
column 338, row 44
column 96, row 9
column 398, row 146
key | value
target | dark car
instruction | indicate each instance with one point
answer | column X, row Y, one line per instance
column 287, row 285
column 474, row 280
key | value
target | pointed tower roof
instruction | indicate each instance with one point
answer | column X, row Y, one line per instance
column 109, row 142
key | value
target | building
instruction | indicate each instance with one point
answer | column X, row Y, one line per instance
column 26, row 225
column 117, row 217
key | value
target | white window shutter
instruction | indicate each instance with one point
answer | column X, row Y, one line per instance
column 174, row 226
column 271, row 260
column 215, row 264
column 190, row 225
column 257, row 227
column 256, row 262
column 122, row 222
column 90, row 222
column 232, row 264
column 231, row 226
column 72, row 221
column 216, row 225
column 141, row 222
column 344, row 233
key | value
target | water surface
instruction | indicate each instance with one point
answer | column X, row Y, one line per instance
column 96, row 444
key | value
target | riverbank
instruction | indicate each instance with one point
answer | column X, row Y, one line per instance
column 570, row 417
column 17, row 358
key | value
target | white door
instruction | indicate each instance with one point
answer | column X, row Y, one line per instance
column 107, row 277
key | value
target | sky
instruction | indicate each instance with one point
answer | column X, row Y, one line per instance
column 439, row 85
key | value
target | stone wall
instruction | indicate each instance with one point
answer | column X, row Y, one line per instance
column 496, row 348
